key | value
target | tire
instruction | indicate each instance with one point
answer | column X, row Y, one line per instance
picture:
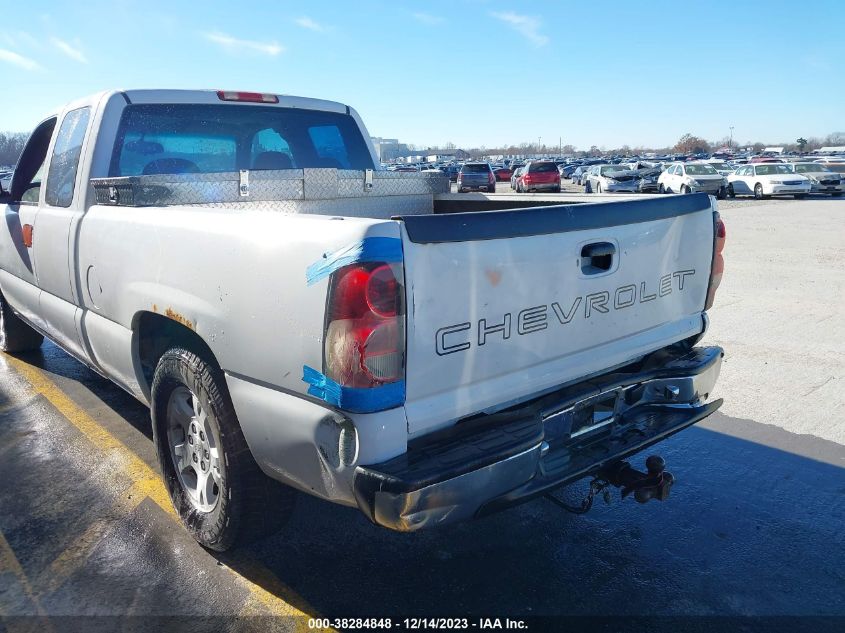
column 731, row 192
column 240, row 503
column 722, row 193
column 800, row 196
column 588, row 188
column 520, row 188
column 836, row 195
column 598, row 187
column 661, row 189
column 758, row 191
column 15, row 335
column 556, row 189
column 684, row 189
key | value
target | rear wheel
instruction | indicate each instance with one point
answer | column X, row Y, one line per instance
column 722, row 193
column 800, row 196
column 731, row 192
column 215, row 485
column 15, row 335
column 758, row 191
column 837, row 194
column 598, row 187
column 685, row 189
column 588, row 188
column 661, row 188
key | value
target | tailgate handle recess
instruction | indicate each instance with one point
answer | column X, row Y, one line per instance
column 597, row 257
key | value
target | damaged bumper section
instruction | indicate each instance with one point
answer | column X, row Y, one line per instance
column 490, row 462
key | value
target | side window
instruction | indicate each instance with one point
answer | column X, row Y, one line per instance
column 329, row 146
column 61, row 178
column 26, row 179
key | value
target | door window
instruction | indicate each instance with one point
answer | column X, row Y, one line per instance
column 26, row 180
column 61, row 178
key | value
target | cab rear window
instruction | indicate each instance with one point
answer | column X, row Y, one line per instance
column 188, row 138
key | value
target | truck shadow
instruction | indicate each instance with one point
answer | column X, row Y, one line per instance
column 753, row 527
column 749, row 529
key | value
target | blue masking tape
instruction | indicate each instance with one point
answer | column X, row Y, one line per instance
column 370, row 249
column 353, row 399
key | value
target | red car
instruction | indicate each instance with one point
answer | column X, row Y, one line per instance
column 539, row 175
column 503, row 174
column 765, row 159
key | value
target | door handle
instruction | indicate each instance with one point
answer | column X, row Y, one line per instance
column 26, row 233
column 597, row 257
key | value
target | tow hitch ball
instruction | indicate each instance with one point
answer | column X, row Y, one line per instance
column 655, row 484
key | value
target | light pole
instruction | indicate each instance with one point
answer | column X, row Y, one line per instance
column 731, row 141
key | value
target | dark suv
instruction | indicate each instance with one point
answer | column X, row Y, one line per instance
column 476, row 176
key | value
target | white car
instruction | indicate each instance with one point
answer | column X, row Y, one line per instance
column 599, row 179
column 692, row 178
column 721, row 166
column 767, row 179
column 822, row 178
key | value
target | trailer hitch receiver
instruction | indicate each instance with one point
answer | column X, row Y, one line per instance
column 655, row 484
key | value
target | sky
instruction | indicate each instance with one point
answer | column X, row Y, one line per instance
column 471, row 72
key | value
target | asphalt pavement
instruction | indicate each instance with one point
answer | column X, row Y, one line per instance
column 754, row 525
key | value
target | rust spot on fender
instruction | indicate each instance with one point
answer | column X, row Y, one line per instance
column 170, row 313
column 494, row 276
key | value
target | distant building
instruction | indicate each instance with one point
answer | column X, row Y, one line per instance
column 387, row 148
column 773, row 150
column 831, row 149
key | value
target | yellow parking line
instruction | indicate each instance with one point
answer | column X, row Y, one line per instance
column 146, row 481
column 80, row 550
column 10, row 563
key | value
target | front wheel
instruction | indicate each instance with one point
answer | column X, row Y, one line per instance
column 685, row 189
column 588, row 188
column 731, row 192
column 215, row 485
column 15, row 335
column 661, row 189
column 758, row 191
column 800, row 196
column 722, row 193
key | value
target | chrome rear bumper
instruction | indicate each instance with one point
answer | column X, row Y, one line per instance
column 490, row 462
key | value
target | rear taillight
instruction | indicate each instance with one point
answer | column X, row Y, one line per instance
column 365, row 326
column 526, row 178
column 718, row 261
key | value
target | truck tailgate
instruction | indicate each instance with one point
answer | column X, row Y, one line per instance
column 504, row 305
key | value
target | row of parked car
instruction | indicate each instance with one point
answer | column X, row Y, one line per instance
column 719, row 178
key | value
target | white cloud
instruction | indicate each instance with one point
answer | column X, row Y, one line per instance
column 18, row 60
column 525, row 25
column 70, row 51
column 236, row 45
column 307, row 23
column 427, row 18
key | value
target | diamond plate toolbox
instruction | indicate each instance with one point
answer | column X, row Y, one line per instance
column 320, row 191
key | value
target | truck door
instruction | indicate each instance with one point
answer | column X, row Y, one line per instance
column 18, row 274
column 61, row 203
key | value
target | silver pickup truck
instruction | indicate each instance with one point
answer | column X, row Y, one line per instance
column 297, row 318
